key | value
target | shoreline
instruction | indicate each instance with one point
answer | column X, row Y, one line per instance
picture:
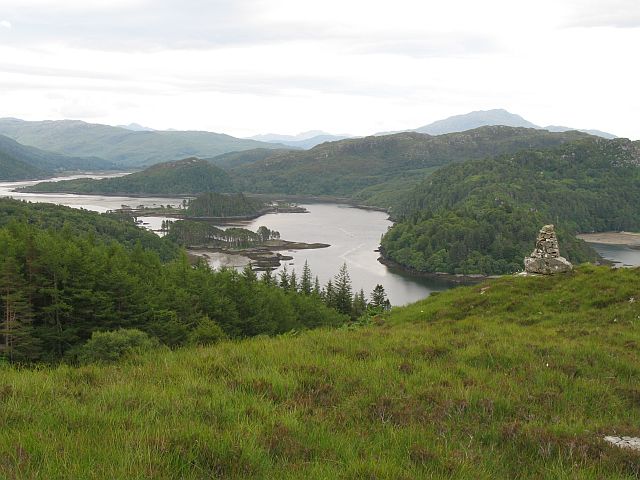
column 629, row 239
column 457, row 278
column 262, row 257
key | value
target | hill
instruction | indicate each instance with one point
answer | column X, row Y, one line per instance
column 481, row 216
column 20, row 162
column 495, row 117
column 124, row 147
column 346, row 167
column 515, row 378
column 469, row 121
column 183, row 177
column 237, row 159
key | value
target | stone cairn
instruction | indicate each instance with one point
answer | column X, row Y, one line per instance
column 546, row 259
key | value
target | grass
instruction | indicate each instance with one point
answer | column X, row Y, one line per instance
column 515, row 378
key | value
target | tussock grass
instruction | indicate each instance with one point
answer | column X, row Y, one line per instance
column 515, row 378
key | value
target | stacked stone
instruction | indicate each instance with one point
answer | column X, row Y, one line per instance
column 546, row 259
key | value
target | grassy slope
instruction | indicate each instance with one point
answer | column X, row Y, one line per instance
column 520, row 381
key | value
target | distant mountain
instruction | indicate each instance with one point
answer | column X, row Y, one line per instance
column 20, row 162
column 304, row 140
column 183, row 177
column 482, row 118
column 596, row 133
column 469, row 121
column 345, row 167
column 136, row 127
column 125, row 148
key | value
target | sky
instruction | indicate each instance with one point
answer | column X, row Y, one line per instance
column 247, row 67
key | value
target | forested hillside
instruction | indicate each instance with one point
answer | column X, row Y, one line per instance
column 482, row 216
column 183, row 177
column 347, row 167
column 65, row 274
column 19, row 162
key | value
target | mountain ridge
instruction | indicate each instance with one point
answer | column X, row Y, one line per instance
column 125, row 148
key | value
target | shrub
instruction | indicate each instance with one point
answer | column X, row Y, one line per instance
column 105, row 347
column 207, row 332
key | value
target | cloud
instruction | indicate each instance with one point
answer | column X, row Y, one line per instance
column 431, row 45
column 613, row 13
column 5, row 24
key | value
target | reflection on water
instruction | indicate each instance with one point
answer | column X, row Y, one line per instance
column 623, row 255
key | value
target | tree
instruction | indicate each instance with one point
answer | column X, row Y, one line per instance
column 343, row 291
column 379, row 298
column 293, row 282
column 267, row 277
column 248, row 274
column 19, row 344
column 306, row 286
column 359, row 304
column 284, row 279
column 316, row 287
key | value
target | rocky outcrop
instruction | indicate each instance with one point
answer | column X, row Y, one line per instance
column 546, row 259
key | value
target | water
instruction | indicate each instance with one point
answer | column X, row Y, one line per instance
column 623, row 255
column 97, row 203
column 354, row 235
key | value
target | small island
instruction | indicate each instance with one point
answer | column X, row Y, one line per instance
column 260, row 246
column 215, row 207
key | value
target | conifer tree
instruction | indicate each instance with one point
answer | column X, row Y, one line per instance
column 248, row 274
column 379, row 298
column 293, row 282
column 359, row 304
column 284, row 278
column 343, row 291
column 267, row 277
column 19, row 343
column 306, row 287
column 316, row 288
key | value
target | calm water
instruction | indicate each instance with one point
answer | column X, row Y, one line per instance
column 621, row 254
column 353, row 234
column 97, row 203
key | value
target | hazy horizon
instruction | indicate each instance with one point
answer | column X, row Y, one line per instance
column 252, row 67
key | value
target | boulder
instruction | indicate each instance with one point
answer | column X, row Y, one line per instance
column 545, row 258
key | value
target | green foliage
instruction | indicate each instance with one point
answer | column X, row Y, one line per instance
column 219, row 205
column 206, row 332
column 347, row 167
column 483, row 216
column 107, row 347
column 198, row 233
column 515, row 378
column 61, row 284
column 95, row 227
column 184, row 177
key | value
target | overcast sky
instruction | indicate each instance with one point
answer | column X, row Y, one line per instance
column 245, row 67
